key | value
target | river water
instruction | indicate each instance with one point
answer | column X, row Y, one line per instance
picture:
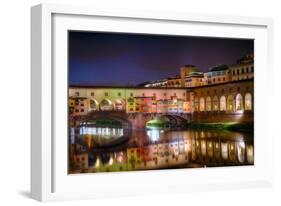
column 115, row 149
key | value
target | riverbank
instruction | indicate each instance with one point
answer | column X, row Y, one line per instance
column 230, row 126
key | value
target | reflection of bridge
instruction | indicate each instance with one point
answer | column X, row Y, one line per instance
column 133, row 120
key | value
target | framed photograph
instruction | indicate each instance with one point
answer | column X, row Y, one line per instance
column 138, row 102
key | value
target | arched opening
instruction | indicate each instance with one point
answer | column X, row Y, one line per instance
column 196, row 104
column 222, row 103
column 202, row 104
column 94, row 106
column 215, row 103
column 239, row 103
column 106, row 105
column 119, row 105
column 248, row 101
column 208, row 104
column 230, row 103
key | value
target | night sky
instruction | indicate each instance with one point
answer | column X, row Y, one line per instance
column 114, row 59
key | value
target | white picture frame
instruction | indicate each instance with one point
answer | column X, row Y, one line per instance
column 49, row 178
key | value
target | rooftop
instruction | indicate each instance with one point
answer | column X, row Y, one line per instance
column 218, row 68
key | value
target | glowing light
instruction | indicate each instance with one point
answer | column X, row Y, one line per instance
column 110, row 161
column 97, row 164
column 153, row 134
column 217, row 145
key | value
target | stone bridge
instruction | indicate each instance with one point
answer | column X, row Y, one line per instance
column 132, row 120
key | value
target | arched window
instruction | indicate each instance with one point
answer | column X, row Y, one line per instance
column 196, row 104
column 215, row 103
column 248, row 101
column 119, row 105
column 222, row 103
column 238, row 103
column 230, row 103
column 106, row 105
column 202, row 104
column 208, row 104
column 93, row 105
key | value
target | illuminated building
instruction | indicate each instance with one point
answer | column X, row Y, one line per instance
column 195, row 79
column 243, row 69
column 190, row 76
column 218, row 74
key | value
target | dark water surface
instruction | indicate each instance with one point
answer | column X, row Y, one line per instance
column 115, row 149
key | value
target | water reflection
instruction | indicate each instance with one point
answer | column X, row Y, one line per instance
column 156, row 149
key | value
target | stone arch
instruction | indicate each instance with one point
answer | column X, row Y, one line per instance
column 248, row 101
column 222, row 103
column 119, row 105
column 196, row 104
column 106, row 105
column 202, row 104
column 208, row 104
column 230, row 103
column 239, row 103
column 93, row 105
column 215, row 103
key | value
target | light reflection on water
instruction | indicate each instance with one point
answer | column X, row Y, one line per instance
column 156, row 149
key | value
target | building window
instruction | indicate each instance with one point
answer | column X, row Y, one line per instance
column 131, row 94
column 119, row 94
column 92, row 94
column 77, row 94
column 106, row 94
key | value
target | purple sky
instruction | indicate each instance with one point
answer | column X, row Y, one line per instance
column 114, row 59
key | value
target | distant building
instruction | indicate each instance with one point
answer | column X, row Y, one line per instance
column 195, row 79
column 185, row 71
column 243, row 69
column 218, row 74
column 190, row 75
